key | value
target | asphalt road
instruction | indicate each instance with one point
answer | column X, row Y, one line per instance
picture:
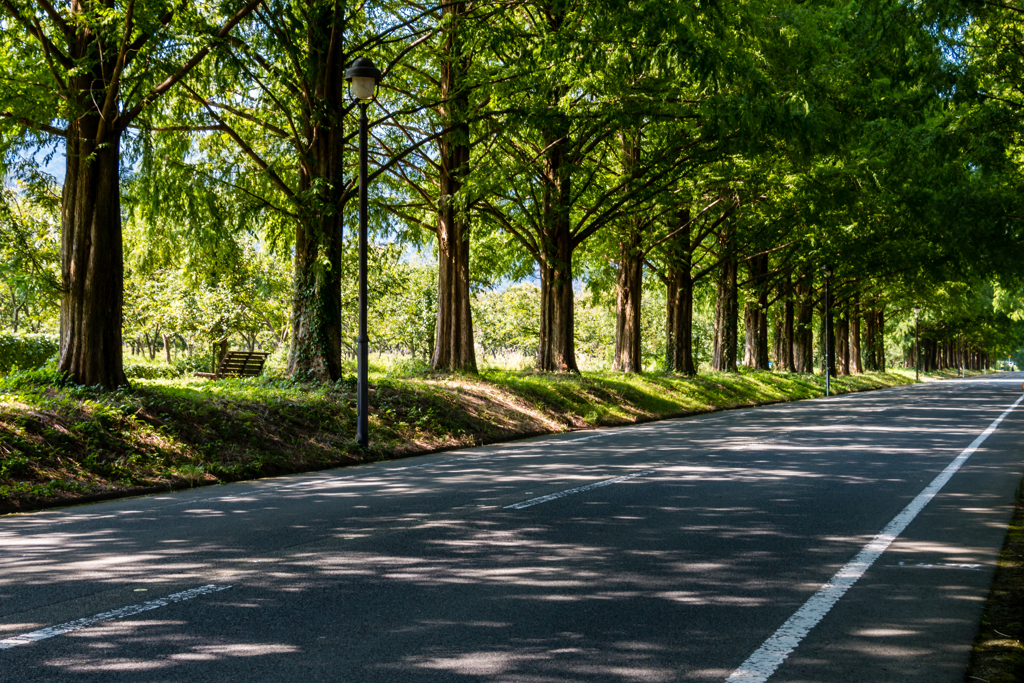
column 712, row 542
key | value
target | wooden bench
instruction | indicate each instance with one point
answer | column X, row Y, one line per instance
column 238, row 364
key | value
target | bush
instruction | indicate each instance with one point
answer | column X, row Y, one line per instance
column 26, row 351
column 151, row 371
column 186, row 365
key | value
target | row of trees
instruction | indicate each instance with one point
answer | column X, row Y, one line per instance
column 732, row 148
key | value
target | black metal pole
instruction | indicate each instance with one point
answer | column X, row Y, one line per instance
column 363, row 340
column 828, row 333
column 917, row 349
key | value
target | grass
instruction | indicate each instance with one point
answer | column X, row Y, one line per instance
column 998, row 655
column 61, row 443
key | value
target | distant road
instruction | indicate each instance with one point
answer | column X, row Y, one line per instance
column 844, row 539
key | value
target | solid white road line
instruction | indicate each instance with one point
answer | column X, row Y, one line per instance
column 759, row 667
column 578, row 489
column 61, row 629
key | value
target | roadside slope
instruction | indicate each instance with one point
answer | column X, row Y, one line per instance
column 62, row 443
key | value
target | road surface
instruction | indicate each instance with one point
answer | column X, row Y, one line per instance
column 844, row 539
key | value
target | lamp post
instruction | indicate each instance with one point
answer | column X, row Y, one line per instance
column 363, row 77
column 917, row 348
column 827, row 270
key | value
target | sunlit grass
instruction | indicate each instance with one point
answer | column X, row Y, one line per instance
column 59, row 439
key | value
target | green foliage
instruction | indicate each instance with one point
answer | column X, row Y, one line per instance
column 883, row 138
column 506, row 320
column 26, row 351
column 59, row 440
column 29, row 256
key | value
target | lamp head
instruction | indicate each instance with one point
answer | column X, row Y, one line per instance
column 827, row 269
column 364, row 77
column 917, row 310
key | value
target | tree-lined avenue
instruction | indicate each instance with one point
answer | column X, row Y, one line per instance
column 716, row 531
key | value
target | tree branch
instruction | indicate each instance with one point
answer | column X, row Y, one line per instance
column 34, row 124
column 174, row 78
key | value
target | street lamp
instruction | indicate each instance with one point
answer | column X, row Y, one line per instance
column 917, row 348
column 363, row 77
column 827, row 270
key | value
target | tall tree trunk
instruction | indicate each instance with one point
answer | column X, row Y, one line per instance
column 856, row 366
column 629, row 287
column 726, row 306
column 629, row 281
column 92, row 267
column 842, row 327
column 556, row 349
column 679, row 312
column 880, row 339
column 803, row 335
column 316, row 309
column 453, row 342
column 784, row 358
column 870, row 332
column 750, row 334
column 828, row 334
column 755, row 316
column 167, row 347
column 556, row 345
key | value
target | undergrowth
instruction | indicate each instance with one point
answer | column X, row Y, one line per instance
column 61, row 442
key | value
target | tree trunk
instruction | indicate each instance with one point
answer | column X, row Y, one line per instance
column 880, row 339
column 679, row 312
column 870, row 332
column 842, row 332
column 220, row 349
column 556, row 346
column 784, row 357
column 755, row 316
column 856, row 367
column 726, row 307
column 827, row 335
column 167, row 348
column 627, row 307
column 629, row 284
column 750, row 333
column 92, row 267
column 803, row 334
column 556, row 349
column 453, row 343
column 316, row 309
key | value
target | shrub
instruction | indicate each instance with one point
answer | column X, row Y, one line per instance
column 150, row 371
column 186, row 365
column 26, row 351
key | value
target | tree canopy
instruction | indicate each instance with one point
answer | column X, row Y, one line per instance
column 643, row 185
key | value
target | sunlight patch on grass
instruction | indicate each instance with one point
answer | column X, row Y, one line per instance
column 59, row 440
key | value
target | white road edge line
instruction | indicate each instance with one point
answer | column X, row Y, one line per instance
column 760, row 666
column 578, row 489
column 61, row 629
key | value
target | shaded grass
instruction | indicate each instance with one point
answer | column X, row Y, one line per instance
column 998, row 655
column 61, row 442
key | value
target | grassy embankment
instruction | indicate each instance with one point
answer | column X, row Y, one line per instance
column 998, row 655
column 60, row 443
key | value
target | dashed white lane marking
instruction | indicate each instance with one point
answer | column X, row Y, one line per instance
column 61, row 629
column 759, row 667
column 578, row 489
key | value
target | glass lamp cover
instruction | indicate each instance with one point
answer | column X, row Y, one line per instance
column 362, row 87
